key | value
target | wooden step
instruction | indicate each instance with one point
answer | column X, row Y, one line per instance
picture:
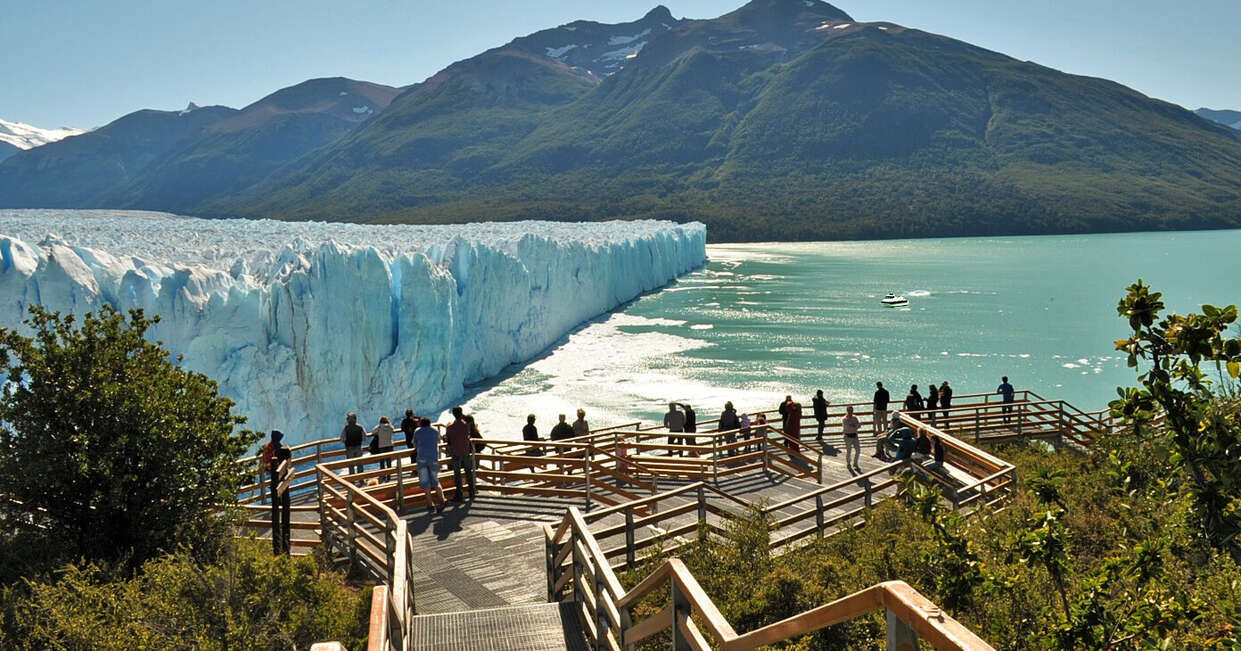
column 535, row 627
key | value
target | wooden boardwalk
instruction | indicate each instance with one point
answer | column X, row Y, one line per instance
column 480, row 574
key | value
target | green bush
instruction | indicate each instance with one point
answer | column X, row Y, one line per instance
column 247, row 600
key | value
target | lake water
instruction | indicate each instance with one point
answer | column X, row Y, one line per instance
column 763, row 320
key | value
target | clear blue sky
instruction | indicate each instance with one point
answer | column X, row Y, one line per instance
column 84, row 63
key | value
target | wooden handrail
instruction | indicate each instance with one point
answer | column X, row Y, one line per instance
column 377, row 629
column 900, row 600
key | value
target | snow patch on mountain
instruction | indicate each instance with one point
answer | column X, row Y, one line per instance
column 621, row 40
column 559, row 52
column 25, row 136
column 300, row 323
column 628, row 52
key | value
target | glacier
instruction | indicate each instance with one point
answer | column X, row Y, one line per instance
column 301, row 322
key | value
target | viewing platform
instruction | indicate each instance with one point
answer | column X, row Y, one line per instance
column 554, row 520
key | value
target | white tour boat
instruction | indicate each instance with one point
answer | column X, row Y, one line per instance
column 892, row 300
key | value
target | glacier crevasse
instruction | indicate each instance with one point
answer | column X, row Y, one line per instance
column 300, row 323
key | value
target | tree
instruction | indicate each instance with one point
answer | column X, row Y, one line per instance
column 1202, row 434
column 109, row 450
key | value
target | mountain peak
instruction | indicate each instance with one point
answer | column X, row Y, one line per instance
column 660, row 12
column 791, row 9
column 191, row 107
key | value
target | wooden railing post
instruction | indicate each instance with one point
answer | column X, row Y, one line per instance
column 866, row 493
column 400, row 488
column 820, row 456
column 818, row 514
column 549, row 553
column 602, row 622
column 1060, row 425
column 1021, row 412
column 631, row 555
column 352, row 533
column 715, row 459
column 977, row 424
column 390, row 553
column 702, row 511
column 586, row 475
column 325, row 532
column 680, row 616
column 900, row 636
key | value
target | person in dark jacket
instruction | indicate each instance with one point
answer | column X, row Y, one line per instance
column 409, row 425
column 938, row 451
column 729, row 423
column 281, row 535
column 945, row 400
column 932, row 402
column 922, row 447
column 530, row 433
column 819, row 403
column 691, row 424
column 562, row 430
column 913, row 401
column 880, row 415
column 352, row 436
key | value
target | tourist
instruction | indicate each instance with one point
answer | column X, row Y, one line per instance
column 427, row 452
column 945, row 400
column 674, row 422
column 1006, row 390
column 276, row 453
column 409, row 425
column 760, row 427
column 728, row 425
column 819, row 403
column 880, row 414
column 932, row 402
column 902, row 437
column 691, row 425
column 913, row 401
column 476, row 436
column 352, row 436
column 784, row 412
column 743, row 429
column 938, row 452
column 457, row 436
column 381, row 441
column 560, row 432
column 922, row 447
column 853, row 448
column 580, row 426
column 530, row 434
column 793, row 427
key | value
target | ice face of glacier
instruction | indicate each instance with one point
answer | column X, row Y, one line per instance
column 303, row 322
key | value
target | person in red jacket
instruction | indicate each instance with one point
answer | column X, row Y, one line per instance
column 461, row 450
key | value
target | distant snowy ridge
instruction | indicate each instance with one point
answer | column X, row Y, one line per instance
column 303, row 322
column 25, row 136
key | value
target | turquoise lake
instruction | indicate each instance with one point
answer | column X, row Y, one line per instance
column 762, row 320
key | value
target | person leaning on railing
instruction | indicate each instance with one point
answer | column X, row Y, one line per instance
column 352, row 437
